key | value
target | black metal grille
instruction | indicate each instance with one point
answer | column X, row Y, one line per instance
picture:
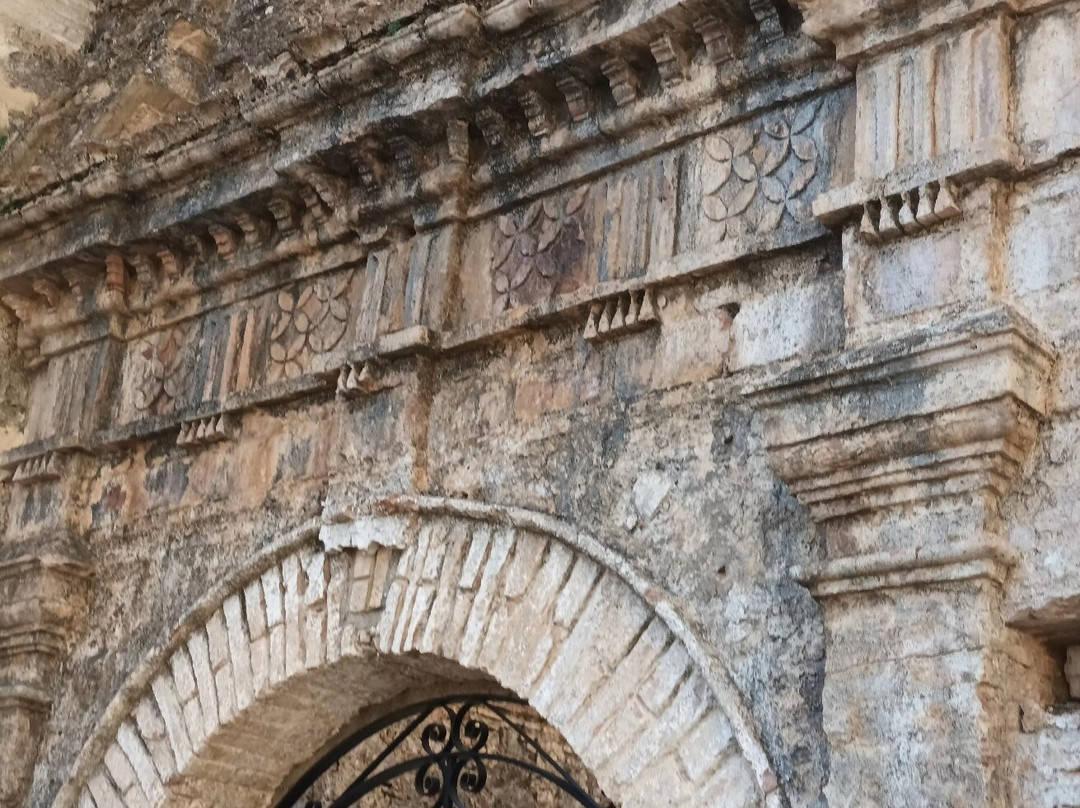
column 455, row 760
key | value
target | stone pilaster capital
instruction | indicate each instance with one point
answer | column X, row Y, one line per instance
column 986, row 557
column 943, row 411
column 42, row 600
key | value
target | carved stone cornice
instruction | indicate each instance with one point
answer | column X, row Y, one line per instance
column 860, row 28
column 941, row 412
column 446, row 59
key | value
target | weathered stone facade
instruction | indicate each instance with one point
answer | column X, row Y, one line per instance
column 704, row 372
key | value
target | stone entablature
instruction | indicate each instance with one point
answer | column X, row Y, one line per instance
column 399, row 239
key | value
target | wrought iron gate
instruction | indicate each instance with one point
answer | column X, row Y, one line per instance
column 453, row 734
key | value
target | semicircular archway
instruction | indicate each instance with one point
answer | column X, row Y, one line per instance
column 282, row 657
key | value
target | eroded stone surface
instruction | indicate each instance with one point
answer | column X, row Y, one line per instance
column 703, row 372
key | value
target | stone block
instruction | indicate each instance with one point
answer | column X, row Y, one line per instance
column 1072, row 670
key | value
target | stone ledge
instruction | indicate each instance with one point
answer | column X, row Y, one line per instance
column 987, row 557
column 940, row 412
column 861, row 28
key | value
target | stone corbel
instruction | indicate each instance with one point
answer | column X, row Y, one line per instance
column 943, row 412
column 42, row 600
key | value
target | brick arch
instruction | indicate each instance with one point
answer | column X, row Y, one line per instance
column 282, row 655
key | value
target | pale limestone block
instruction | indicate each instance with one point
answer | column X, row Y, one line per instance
column 705, row 745
column 199, row 651
column 436, row 549
column 380, row 577
column 364, row 564
column 193, row 719
column 520, row 572
column 503, row 614
column 260, row 664
column 315, row 573
column 451, row 639
column 1048, row 98
column 294, row 652
column 485, row 597
column 663, row 782
column 443, row 606
column 631, row 721
column 272, row 597
column 553, row 682
column 239, row 652
column 277, row 654
column 255, row 609
column 582, row 579
column 105, row 795
column 526, row 649
column 662, row 734
column 337, row 590
column 733, row 785
column 173, row 714
column 474, row 559
column 665, row 677
column 315, row 635
column 623, row 616
column 183, row 674
column 152, row 729
column 421, row 608
column 218, row 639
column 359, row 589
column 364, row 532
column 86, row 799
column 226, row 693
column 402, row 613
column 606, row 702
column 388, row 619
column 119, row 768
column 141, row 762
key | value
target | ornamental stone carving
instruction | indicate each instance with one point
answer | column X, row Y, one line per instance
column 752, row 184
column 703, row 373
column 310, row 322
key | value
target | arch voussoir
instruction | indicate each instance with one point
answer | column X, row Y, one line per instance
column 280, row 663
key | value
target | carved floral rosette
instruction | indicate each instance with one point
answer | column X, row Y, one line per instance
column 167, row 360
column 534, row 249
column 754, row 174
column 310, row 322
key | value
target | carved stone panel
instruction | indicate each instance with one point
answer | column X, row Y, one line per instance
column 160, row 372
column 539, row 250
column 757, row 177
column 310, row 322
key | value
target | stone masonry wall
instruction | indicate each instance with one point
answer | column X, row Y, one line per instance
column 703, row 372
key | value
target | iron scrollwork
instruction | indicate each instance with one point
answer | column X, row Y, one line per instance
column 453, row 736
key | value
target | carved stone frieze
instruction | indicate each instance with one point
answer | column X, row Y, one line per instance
column 165, row 363
column 204, row 431
column 759, row 174
column 621, row 314
column 534, row 246
column 49, row 466
column 310, row 322
column 910, row 213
